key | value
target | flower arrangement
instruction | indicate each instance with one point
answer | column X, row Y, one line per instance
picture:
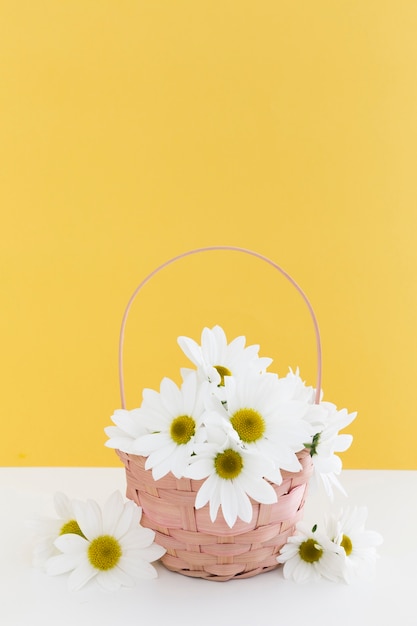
column 233, row 425
column 236, row 428
column 218, row 469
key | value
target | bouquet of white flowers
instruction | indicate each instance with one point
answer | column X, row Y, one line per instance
column 220, row 464
column 234, row 426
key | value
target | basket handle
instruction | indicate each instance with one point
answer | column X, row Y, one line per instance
column 206, row 249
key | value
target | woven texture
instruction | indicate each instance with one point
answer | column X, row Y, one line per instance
column 198, row 547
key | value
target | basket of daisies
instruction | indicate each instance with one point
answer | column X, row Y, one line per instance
column 221, row 463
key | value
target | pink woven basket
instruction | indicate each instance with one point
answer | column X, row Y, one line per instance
column 196, row 546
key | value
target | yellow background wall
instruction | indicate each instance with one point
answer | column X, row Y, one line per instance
column 132, row 131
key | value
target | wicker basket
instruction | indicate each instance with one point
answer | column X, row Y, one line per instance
column 196, row 546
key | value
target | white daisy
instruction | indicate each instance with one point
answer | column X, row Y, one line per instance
column 129, row 427
column 233, row 476
column 328, row 421
column 292, row 387
column 264, row 421
column 215, row 358
column 311, row 555
column 348, row 531
column 48, row 530
column 173, row 418
column 115, row 549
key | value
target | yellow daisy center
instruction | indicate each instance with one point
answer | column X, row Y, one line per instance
column 223, row 371
column 182, row 429
column 228, row 464
column 104, row 552
column 346, row 543
column 310, row 551
column 71, row 527
column 249, row 424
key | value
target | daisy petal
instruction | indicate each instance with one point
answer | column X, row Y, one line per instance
column 88, row 516
column 62, row 505
column 71, row 543
column 61, row 564
column 81, row 575
column 116, row 517
column 113, row 579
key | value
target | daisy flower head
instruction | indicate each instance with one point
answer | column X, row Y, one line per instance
column 328, row 421
column 174, row 420
column 114, row 549
column 233, row 476
column 216, row 359
column 292, row 387
column 348, row 531
column 265, row 422
column 128, row 427
column 311, row 555
column 48, row 530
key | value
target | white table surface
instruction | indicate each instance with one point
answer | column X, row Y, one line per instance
column 29, row 597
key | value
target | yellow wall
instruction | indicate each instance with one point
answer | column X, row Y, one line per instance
column 134, row 130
